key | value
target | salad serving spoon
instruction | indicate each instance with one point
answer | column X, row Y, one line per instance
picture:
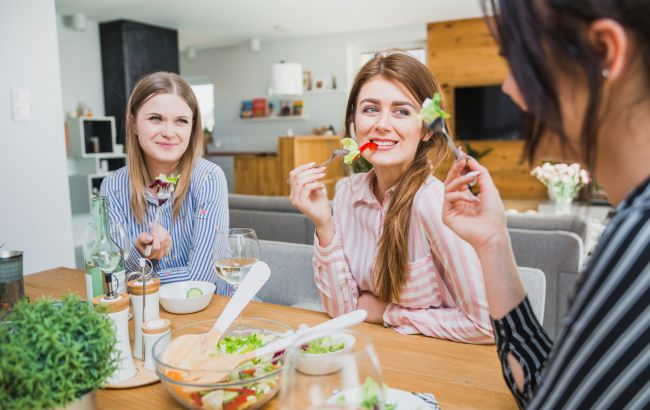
column 193, row 347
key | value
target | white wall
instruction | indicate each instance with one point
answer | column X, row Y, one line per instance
column 81, row 66
column 34, row 200
column 238, row 74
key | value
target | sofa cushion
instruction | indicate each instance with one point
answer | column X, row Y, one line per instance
column 261, row 202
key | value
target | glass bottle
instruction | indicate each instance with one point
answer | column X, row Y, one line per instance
column 104, row 253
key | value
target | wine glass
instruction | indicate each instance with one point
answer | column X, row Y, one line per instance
column 121, row 238
column 235, row 252
column 342, row 379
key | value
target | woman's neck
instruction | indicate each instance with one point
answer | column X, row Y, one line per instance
column 624, row 154
column 385, row 178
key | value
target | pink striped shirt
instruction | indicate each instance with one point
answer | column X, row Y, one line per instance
column 443, row 296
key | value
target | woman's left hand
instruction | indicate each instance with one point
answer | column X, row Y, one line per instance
column 373, row 305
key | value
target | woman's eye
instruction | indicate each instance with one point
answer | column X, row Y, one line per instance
column 403, row 111
column 182, row 121
column 154, row 118
column 371, row 108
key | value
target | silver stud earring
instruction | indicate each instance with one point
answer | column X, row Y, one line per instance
column 605, row 72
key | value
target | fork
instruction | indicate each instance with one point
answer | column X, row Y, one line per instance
column 438, row 126
column 335, row 154
column 163, row 194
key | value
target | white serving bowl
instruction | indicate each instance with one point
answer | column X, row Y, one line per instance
column 318, row 364
column 174, row 300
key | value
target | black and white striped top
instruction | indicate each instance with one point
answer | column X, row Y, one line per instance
column 204, row 211
column 601, row 358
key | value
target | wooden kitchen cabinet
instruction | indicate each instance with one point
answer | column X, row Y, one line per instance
column 267, row 174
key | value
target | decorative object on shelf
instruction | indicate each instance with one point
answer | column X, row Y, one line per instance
column 320, row 84
column 297, row 107
column 563, row 182
column 286, row 78
column 306, row 80
column 259, row 107
column 246, row 110
column 53, row 353
column 285, row 108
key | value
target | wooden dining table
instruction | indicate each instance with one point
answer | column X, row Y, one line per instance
column 461, row 376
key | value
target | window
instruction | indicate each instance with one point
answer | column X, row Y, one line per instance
column 205, row 96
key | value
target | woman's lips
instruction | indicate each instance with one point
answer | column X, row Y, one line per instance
column 384, row 145
column 165, row 145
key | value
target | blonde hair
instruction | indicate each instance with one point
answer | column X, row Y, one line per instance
column 390, row 266
column 139, row 178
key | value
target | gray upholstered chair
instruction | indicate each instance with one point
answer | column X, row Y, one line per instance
column 292, row 275
column 534, row 283
column 559, row 255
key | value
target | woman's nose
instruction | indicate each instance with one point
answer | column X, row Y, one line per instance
column 383, row 121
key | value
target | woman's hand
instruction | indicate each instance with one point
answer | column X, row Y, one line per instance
column 161, row 242
column 373, row 305
column 309, row 196
column 477, row 219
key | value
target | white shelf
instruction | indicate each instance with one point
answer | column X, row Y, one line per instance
column 275, row 118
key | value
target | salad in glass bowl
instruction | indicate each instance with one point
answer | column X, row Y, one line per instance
column 249, row 386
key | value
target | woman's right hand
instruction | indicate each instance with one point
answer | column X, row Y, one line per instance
column 477, row 219
column 160, row 241
column 308, row 194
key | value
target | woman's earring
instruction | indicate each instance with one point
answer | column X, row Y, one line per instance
column 605, row 72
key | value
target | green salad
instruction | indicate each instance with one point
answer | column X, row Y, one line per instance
column 246, row 394
column 323, row 345
column 370, row 396
column 431, row 109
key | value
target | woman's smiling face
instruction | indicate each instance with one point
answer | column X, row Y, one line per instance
column 385, row 115
column 163, row 126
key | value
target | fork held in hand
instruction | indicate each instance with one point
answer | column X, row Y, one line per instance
column 335, row 154
column 163, row 194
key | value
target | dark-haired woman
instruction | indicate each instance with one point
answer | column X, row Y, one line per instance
column 581, row 69
column 386, row 249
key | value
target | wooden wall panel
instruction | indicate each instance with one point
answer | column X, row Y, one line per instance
column 463, row 53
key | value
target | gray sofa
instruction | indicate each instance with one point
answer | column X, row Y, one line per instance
column 272, row 217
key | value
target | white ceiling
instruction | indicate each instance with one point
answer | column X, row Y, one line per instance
column 212, row 23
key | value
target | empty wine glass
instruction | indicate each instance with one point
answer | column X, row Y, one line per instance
column 121, row 238
column 235, row 252
column 349, row 378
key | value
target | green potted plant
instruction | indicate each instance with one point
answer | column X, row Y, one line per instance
column 54, row 353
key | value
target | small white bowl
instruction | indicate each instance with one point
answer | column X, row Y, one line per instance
column 174, row 300
column 318, row 364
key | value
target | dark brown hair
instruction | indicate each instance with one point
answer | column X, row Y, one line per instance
column 139, row 178
column 534, row 34
column 390, row 267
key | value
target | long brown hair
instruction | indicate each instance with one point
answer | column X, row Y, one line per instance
column 390, row 267
column 139, row 178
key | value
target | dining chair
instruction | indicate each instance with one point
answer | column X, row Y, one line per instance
column 292, row 275
column 534, row 282
column 559, row 254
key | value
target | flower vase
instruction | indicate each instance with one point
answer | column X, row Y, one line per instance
column 563, row 204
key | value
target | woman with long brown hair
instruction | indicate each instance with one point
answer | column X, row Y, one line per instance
column 164, row 135
column 385, row 249
column 581, row 69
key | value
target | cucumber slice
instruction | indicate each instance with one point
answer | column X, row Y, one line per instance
column 193, row 293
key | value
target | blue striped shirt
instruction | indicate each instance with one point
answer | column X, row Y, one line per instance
column 204, row 212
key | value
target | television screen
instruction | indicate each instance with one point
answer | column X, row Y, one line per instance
column 486, row 113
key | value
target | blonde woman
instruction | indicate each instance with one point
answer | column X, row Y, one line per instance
column 164, row 135
column 385, row 249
